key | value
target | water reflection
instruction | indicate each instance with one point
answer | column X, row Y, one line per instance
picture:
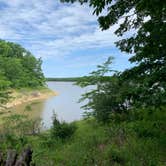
column 65, row 104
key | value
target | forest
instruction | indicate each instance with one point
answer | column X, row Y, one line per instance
column 126, row 124
column 18, row 67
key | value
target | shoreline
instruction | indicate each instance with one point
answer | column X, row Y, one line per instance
column 25, row 96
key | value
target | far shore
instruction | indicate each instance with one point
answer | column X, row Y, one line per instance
column 21, row 96
column 65, row 79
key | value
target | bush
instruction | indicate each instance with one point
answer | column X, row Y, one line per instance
column 62, row 130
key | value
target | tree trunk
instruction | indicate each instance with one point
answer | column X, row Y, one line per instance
column 11, row 158
column 24, row 159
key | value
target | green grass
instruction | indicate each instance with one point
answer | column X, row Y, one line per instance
column 96, row 144
column 135, row 140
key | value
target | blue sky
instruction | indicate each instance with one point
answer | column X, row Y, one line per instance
column 66, row 36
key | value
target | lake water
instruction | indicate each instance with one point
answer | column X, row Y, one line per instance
column 65, row 104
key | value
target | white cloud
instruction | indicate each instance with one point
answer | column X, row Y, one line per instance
column 49, row 28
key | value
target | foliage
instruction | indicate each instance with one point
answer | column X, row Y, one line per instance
column 4, row 93
column 115, row 94
column 62, row 130
column 16, row 129
column 132, row 103
column 143, row 25
column 20, row 125
column 19, row 67
column 110, row 95
column 136, row 139
column 117, row 143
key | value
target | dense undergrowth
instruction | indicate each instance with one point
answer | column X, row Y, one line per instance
column 134, row 139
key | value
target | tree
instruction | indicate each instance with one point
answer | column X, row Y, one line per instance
column 4, row 85
column 12, row 69
column 111, row 94
column 147, row 18
column 19, row 66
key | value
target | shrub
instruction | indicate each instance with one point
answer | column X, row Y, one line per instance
column 62, row 130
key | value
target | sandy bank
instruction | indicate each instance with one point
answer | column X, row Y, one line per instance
column 23, row 96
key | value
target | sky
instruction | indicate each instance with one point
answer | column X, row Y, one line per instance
column 66, row 36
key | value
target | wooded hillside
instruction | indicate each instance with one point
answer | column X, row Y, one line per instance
column 18, row 67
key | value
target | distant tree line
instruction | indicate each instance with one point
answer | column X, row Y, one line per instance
column 65, row 79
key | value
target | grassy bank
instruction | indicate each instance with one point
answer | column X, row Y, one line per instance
column 134, row 142
column 133, row 139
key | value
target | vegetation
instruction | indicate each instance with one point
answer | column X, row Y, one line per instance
column 67, row 79
column 4, row 93
column 126, row 124
column 146, row 19
column 18, row 67
column 121, row 142
column 136, row 139
column 62, row 130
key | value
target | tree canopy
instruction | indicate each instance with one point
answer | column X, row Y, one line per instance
column 142, row 27
column 18, row 67
column 145, row 24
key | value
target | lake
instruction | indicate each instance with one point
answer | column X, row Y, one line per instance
column 65, row 105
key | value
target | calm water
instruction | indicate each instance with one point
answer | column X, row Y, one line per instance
column 65, row 104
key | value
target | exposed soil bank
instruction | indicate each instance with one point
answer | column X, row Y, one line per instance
column 27, row 95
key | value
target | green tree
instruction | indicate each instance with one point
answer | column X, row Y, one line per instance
column 32, row 68
column 147, row 18
column 62, row 130
column 12, row 68
column 19, row 66
column 110, row 93
column 13, row 50
column 4, row 85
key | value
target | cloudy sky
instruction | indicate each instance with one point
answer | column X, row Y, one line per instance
column 66, row 36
